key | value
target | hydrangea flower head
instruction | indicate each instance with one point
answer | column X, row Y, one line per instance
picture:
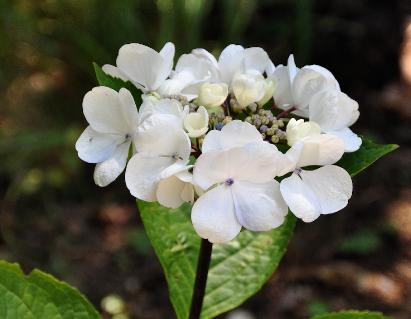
column 209, row 132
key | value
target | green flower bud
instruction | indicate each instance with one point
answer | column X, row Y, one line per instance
column 227, row 119
column 275, row 139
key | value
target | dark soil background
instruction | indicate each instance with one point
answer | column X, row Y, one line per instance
column 54, row 218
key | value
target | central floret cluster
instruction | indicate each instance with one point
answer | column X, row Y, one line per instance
column 210, row 132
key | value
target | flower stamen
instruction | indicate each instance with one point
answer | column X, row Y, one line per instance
column 229, row 181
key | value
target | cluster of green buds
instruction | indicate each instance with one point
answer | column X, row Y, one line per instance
column 218, row 119
column 269, row 126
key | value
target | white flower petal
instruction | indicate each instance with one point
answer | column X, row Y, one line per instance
column 211, row 168
column 354, row 117
column 235, row 133
column 212, row 94
column 248, row 88
column 301, row 200
column 269, row 91
column 213, row 215
column 352, row 142
column 270, row 68
column 259, row 207
column 283, row 96
column 167, row 53
column 94, row 147
column 143, row 174
column 332, row 186
column 114, row 72
column 326, row 74
column 175, row 85
column 177, row 167
column 231, row 61
column 321, row 149
column 332, row 110
column 144, row 65
column 213, row 141
column 128, row 110
column 204, row 54
column 297, row 130
column 185, row 175
column 169, row 192
column 325, row 190
column 164, row 106
column 101, row 107
column 107, row 171
column 256, row 59
column 162, row 135
column 309, row 81
column 187, row 195
column 199, row 68
column 292, row 68
column 196, row 123
column 254, row 162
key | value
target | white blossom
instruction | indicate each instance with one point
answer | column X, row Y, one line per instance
column 241, row 192
column 175, row 187
column 113, row 120
column 212, row 95
column 196, row 123
column 190, row 73
column 234, row 134
column 144, row 67
column 324, row 190
column 152, row 106
column 269, row 86
column 237, row 170
column 334, row 111
column 235, row 59
column 162, row 145
column 295, row 87
column 248, row 87
column 298, row 129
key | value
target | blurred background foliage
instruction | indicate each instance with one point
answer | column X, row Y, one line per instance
column 55, row 218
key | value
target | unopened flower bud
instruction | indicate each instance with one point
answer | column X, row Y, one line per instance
column 248, row 88
column 281, row 134
column 270, row 132
column 212, row 94
column 252, row 107
column 257, row 122
column 196, row 123
column 297, row 130
column 227, row 119
column 269, row 91
column 275, row 139
column 265, row 120
column 235, row 107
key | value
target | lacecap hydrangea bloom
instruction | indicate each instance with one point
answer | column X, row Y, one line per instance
column 241, row 140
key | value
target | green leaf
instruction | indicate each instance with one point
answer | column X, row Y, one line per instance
column 237, row 271
column 105, row 79
column 368, row 153
column 352, row 314
column 39, row 296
